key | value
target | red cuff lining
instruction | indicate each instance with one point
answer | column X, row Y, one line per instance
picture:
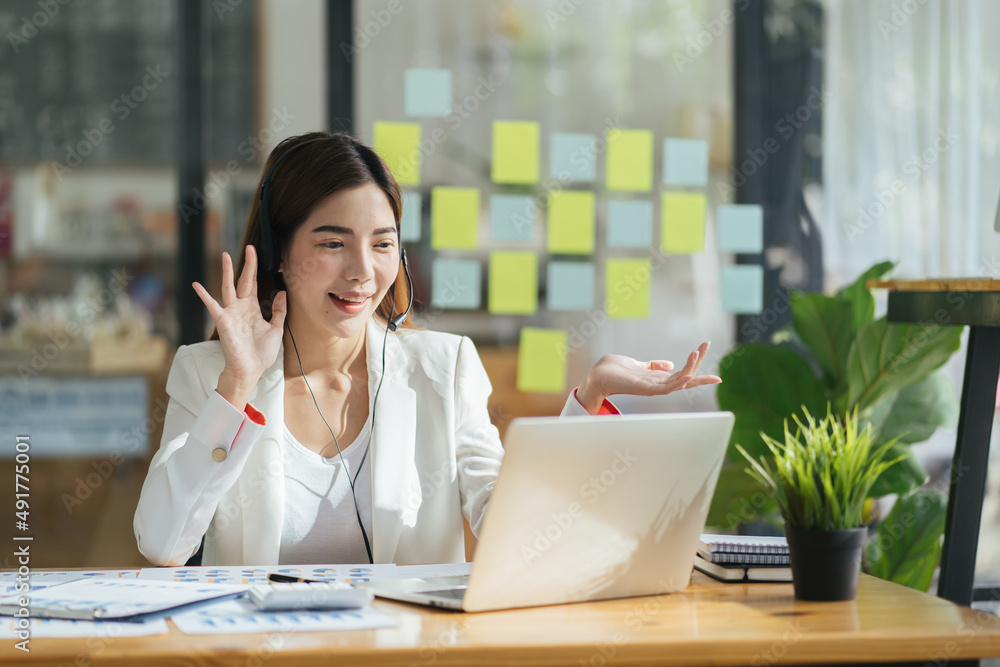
column 608, row 409
column 255, row 416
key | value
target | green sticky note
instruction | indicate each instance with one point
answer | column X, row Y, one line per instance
column 742, row 288
column 682, row 228
column 515, row 151
column 541, row 360
column 626, row 288
column 454, row 218
column 630, row 160
column 571, row 222
column 513, row 278
column 399, row 145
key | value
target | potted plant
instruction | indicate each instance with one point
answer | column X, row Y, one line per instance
column 822, row 476
column 836, row 354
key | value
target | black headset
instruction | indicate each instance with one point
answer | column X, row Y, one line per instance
column 270, row 263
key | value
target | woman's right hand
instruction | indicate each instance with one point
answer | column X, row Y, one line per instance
column 249, row 342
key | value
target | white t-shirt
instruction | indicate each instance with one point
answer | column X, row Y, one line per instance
column 320, row 524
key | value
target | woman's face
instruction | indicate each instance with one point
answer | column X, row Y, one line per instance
column 342, row 261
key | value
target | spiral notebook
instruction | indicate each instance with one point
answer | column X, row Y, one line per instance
column 744, row 550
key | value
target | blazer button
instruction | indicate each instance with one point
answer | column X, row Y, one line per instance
column 220, row 454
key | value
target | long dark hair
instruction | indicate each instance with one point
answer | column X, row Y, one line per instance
column 303, row 181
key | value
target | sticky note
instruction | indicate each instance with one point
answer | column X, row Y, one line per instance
column 454, row 218
column 741, row 228
column 409, row 224
column 742, row 288
column 627, row 288
column 541, row 360
column 570, row 228
column 456, row 284
column 570, row 286
column 682, row 228
column 685, row 162
column 399, row 145
column 427, row 92
column 513, row 283
column 515, row 151
column 573, row 157
column 630, row 223
column 512, row 218
column 630, row 160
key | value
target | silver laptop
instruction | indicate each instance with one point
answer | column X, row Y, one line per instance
column 587, row 508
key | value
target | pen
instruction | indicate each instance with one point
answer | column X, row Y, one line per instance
column 284, row 578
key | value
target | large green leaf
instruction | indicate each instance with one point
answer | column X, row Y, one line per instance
column 903, row 476
column 738, row 499
column 823, row 324
column 920, row 409
column 907, row 546
column 862, row 302
column 763, row 385
column 886, row 357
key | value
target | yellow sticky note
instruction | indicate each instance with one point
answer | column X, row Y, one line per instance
column 571, row 222
column 630, row 160
column 682, row 225
column 513, row 288
column 541, row 360
column 399, row 145
column 627, row 288
column 454, row 218
column 515, row 151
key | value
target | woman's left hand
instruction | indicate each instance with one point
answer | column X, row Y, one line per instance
column 618, row 374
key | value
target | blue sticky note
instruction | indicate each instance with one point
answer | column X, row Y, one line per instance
column 570, row 286
column 685, row 162
column 573, row 157
column 741, row 228
column 512, row 218
column 456, row 284
column 630, row 223
column 742, row 288
column 409, row 225
column 427, row 92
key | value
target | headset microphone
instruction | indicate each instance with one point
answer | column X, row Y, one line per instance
column 397, row 321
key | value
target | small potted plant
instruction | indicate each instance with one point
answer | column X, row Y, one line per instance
column 822, row 476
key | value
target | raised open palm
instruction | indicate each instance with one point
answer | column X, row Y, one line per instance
column 249, row 342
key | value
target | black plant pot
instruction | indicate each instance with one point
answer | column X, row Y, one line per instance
column 825, row 563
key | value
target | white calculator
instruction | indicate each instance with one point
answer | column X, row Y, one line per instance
column 320, row 595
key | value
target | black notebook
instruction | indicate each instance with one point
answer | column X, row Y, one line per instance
column 737, row 574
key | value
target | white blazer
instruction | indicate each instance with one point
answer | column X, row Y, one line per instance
column 435, row 456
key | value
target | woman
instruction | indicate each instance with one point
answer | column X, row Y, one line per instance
column 306, row 433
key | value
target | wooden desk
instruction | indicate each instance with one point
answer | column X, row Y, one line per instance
column 949, row 302
column 711, row 623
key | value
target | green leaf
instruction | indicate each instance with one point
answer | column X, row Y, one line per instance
column 862, row 301
column 737, row 499
column 763, row 385
column 920, row 409
column 886, row 357
column 902, row 477
column 907, row 546
column 823, row 324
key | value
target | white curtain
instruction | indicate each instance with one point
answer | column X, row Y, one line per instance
column 911, row 168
